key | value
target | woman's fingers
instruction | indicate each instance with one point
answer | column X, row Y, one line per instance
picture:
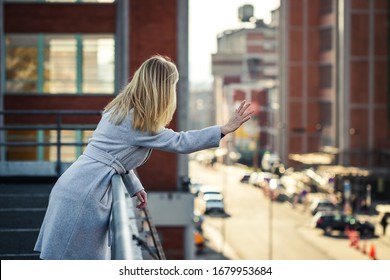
column 240, row 116
column 142, row 197
column 245, row 114
column 243, row 107
column 240, row 107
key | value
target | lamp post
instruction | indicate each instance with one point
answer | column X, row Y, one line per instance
column 347, row 196
column 252, row 129
column 271, row 188
column 225, row 180
column 368, row 199
column 354, row 132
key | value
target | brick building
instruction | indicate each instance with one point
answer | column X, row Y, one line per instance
column 334, row 91
column 333, row 63
column 76, row 56
column 244, row 67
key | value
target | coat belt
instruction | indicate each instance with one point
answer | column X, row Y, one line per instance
column 112, row 161
column 105, row 158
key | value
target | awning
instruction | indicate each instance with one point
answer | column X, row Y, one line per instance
column 343, row 170
column 313, row 158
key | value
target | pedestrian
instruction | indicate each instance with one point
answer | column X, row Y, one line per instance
column 76, row 223
column 304, row 200
column 384, row 222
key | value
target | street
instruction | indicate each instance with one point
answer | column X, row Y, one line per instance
column 254, row 229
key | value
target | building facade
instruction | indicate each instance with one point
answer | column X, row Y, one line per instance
column 333, row 64
column 244, row 68
column 334, row 92
column 77, row 55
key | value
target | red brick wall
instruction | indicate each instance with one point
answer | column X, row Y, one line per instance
column 360, row 76
column 172, row 241
column 304, row 94
column 54, row 102
column 59, row 18
column 153, row 30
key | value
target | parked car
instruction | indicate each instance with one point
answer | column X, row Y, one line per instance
column 245, row 179
column 213, row 203
column 263, row 179
column 321, row 205
column 269, row 160
column 195, row 187
column 330, row 221
column 210, row 199
column 277, row 190
column 209, row 189
column 249, row 178
column 253, row 178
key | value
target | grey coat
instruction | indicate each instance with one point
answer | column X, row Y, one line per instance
column 76, row 224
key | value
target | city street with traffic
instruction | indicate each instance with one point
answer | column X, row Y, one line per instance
column 255, row 228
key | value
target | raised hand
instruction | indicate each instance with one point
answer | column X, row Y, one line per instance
column 241, row 115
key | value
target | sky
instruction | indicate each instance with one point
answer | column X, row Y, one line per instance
column 208, row 18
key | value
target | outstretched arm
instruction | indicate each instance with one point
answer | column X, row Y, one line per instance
column 241, row 115
column 193, row 140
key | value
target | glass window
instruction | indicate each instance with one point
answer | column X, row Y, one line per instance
column 21, row 153
column 21, row 64
column 326, row 39
column 325, row 76
column 77, row 63
column 60, row 64
column 326, row 7
column 325, row 113
column 69, row 153
column 98, row 64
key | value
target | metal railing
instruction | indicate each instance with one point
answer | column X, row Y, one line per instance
column 57, row 125
column 153, row 247
column 121, row 245
column 126, row 234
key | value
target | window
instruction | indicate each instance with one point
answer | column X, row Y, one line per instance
column 69, row 153
column 325, row 76
column 78, row 64
column 325, row 114
column 326, row 7
column 326, row 39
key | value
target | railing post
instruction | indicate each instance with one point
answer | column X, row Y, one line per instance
column 58, row 145
column 122, row 248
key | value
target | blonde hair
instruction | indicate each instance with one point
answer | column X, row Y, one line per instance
column 151, row 93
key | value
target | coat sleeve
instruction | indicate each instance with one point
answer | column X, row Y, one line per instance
column 132, row 183
column 180, row 142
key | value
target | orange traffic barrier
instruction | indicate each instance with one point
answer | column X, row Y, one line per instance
column 372, row 252
column 357, row 244
column 353, row 236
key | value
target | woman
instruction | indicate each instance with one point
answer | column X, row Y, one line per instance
column 76, row 224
